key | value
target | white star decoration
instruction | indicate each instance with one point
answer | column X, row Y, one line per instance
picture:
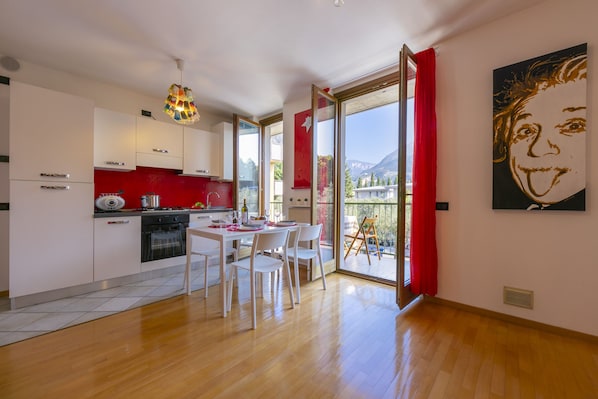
column 307, row 123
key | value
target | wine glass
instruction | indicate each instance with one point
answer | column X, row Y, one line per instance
column 267, row 214
column 276, row 215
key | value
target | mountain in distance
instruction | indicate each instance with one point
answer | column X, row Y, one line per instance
column 385, row 169
column 357, row 168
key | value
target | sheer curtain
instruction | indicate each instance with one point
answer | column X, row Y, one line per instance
column 424, row 259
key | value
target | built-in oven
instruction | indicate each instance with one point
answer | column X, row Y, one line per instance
column 163, row 235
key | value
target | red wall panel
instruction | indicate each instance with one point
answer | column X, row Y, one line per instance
column 174, row 190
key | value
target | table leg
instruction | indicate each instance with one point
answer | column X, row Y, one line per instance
column 296, row 264
column 188, row 265
column 223, row 276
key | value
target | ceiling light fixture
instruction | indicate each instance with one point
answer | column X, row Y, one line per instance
column 179, row 104
column 339, row 3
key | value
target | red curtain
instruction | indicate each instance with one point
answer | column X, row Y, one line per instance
column 424, row 259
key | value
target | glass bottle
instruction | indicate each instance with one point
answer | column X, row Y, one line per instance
column 244, row 212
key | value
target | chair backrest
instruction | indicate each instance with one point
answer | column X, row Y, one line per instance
column 368, row 226
column 270, row 240
column 309, row 233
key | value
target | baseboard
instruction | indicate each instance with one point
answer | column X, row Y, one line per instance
column 515, row 320
column 3, row 294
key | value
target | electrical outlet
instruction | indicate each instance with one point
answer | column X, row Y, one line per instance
column 442, row 206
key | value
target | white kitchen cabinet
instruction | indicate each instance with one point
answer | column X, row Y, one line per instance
column 159, row 144
column 4, row 117
column 51, row 236
column 225, row 131
column 114, row 139
column 4, row 285
column 4, row 171
column 51, row 135
column 117, row 247
column 201, row 153
column 4, row 196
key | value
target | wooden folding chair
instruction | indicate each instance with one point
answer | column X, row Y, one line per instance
column 365, row 232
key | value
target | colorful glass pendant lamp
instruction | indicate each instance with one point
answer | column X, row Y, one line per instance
column 179, row 104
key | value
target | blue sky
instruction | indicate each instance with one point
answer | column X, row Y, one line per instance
column 373, row 134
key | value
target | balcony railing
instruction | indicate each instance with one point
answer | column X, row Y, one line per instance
column 387, row 220
column 386, row 226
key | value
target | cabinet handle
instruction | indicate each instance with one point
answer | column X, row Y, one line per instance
column 115, row 163
column 202, row 171
column 203, row 217
column 61, row 175
column 55, row 187
column 118, row 222
column 160, row 150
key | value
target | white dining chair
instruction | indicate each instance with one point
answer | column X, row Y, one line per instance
column 211, row 253
column 307, row 234
column 260, row 262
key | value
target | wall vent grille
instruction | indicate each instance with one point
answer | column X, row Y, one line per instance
column 518, row 297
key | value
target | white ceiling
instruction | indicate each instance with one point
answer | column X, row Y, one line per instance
column 242, row 56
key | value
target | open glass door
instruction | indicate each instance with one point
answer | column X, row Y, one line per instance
column 408, row 68
column 324, row 180
column 246, row 164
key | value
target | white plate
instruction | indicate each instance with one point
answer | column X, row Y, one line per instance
column 250, row 227
column 286, row 223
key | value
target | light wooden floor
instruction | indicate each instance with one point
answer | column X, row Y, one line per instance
column 350, row 341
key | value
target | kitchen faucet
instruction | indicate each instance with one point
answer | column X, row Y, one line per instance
column 208, row 205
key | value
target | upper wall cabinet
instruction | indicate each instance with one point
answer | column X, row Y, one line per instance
column 201, row 154
column 159, row 144
column 114, row 140
column 56, row 143
column 225, row 133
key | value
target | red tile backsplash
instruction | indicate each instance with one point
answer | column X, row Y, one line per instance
column 174, row 190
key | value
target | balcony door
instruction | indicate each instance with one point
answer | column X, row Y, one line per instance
column 370, row 148
column 377, row 130
column 324, row 177
column 408, row 69
column 247, row 147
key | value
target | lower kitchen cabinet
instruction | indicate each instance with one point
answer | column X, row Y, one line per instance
column 117, row 247
column 3, row 250
column 51, row 236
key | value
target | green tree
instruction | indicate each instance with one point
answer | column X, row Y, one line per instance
column 359, row 183
column 278, row 174
column 349, row 193
column 372, row 179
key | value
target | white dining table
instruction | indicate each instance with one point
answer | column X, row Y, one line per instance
column 223, row 236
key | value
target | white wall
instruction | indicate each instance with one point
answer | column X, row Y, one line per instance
column 555, row 254
column 288, row 119
column 104, row 95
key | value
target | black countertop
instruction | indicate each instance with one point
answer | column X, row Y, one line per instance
column 138, row 212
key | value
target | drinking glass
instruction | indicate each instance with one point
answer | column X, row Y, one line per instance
column 276, row 215
column 236, row 216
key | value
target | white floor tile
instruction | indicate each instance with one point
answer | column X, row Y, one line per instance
column 31, row 321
